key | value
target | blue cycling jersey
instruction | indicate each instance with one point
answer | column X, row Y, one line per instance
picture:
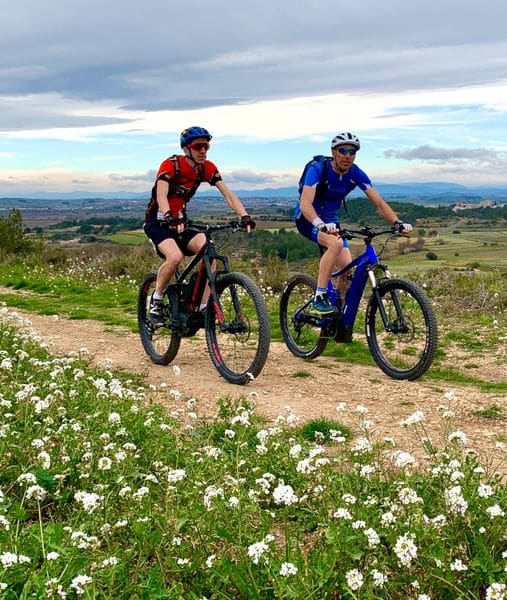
column 328, row 203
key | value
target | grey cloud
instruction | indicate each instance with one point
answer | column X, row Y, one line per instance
column 148, row 176
column 39, row 112
column 248, row 176
column 196, row 54
column 433, row 154
column 172, row 52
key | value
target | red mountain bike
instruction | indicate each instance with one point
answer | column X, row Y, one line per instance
column 235, row 321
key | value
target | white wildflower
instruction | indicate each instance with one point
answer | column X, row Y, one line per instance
column 373, row 537
column 458, row 565
column 405, row 549
column 354, row 579
column 342, row 513
column 36, row 491
column 496, row 591
column 460, row 436
column 90, row 501
column 284, row 494
column 78, row 583
column 210, row 560
column 257, row 550
column 455, row 501
column 104, row 463
column 403, row 459
column 414, row 418
column 495, row 511
column 379, row 579
column 287, row 569
column 9, row 559
column 114, row 418
column 176, row 475
column 408, row 496
column 485, row 491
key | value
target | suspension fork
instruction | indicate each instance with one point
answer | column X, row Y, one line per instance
column 388, row 325
column 212, row 278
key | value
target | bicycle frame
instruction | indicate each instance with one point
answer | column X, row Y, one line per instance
column 364, row 265
column 206, row 274
column 364, row 269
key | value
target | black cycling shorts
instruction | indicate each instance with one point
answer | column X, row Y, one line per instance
column 158, row 231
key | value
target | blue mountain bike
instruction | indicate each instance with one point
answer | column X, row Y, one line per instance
column 400, row 324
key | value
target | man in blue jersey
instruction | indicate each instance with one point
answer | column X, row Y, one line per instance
column 325, row 185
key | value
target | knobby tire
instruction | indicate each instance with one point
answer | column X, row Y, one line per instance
column 160, row 343
column 240, row 351
column 408, row 352
column 302, row 339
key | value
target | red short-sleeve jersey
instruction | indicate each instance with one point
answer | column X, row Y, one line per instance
column 183, row 183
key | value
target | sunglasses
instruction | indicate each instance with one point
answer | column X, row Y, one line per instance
column 347, row 151
column 199, row 146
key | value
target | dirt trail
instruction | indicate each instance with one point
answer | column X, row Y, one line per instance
column 329, row 382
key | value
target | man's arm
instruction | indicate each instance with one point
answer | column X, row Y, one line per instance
column 162, row 191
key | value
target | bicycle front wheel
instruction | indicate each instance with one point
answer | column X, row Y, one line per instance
column 302, row 337
column 239, row 345
column 160, row 343
column 404, row 347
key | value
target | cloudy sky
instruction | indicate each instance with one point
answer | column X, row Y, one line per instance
column 93, row 94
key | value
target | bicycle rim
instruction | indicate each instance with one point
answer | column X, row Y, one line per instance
column 408, row 349
column 238, row 348
column 303, row 339
column 160, row 343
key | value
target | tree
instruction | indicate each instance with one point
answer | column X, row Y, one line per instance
column 13, row 240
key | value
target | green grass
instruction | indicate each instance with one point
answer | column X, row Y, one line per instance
column 324, row 430
column 301, row 374
column 104, row 495
column 98, row 287
column 126, row 237
column 487, row 246
column 46, row 292
column 493, row 412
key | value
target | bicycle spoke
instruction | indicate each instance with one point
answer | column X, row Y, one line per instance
column 239, row 345
column 403, row 346
column 301, row 332
column 160, row 343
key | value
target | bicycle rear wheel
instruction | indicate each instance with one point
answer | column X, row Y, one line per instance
column 302, row 337
column 239, row 347
column 405, row 348
column 160, row 343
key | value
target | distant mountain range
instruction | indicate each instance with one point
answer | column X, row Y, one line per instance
column 446, row 191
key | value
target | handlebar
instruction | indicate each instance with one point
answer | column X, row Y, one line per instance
column 368, row 233
column 205, row 227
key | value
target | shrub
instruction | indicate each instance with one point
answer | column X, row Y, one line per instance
column 431, row 256
column 13, row 240
column 480, row 292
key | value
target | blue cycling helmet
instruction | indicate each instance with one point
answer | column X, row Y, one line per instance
column 192, row 133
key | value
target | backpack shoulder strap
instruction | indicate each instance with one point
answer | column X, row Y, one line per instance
column 172, row 181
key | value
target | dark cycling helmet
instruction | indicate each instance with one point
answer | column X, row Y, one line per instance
column 345, row 138
column 192, row 133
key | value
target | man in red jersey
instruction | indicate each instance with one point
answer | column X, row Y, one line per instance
column 178, row 178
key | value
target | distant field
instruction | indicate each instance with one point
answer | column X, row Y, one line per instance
column 126, row 237
column 488, row 247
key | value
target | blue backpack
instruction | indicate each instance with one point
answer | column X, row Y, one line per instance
column 323, row 162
